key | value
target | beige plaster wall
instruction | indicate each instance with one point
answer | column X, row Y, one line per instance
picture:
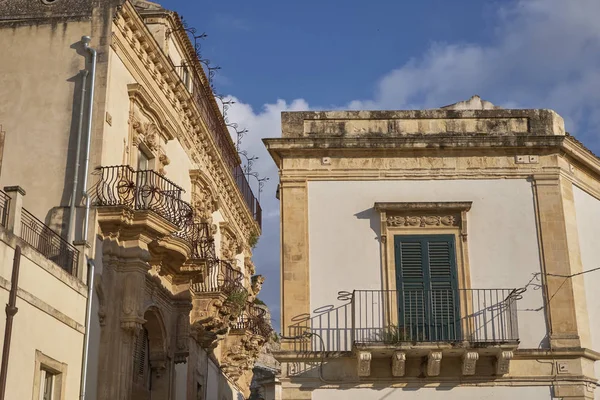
column 117, row 106
column 345, row 252
column 588, row 226
column 178, row 170
column 465, row 393
column 50, row 318
column 40, row 89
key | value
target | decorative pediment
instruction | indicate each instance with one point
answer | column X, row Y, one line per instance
column 419, row 215
column 142, row 99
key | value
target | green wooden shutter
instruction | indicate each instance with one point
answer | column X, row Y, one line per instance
column 426, row 281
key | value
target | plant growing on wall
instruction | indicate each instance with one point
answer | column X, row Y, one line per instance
column 253, row 240
column 394, row 334
column 235, row 301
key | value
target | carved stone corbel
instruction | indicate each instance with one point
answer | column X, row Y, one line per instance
column 364, row 363
column 434, row 363
column 469, row 362
column 398, row 363
column 503, row 362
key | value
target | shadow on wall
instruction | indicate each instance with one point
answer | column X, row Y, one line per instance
column 57, row 218
column 374, row 221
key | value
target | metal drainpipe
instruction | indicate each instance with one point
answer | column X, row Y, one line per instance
column 11, row 310
column 86, row 344
column 71, row 235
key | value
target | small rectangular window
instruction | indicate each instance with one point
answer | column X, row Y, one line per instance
column 49, row 379
column 46, row 392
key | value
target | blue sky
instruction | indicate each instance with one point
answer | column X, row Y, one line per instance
column 291, row 55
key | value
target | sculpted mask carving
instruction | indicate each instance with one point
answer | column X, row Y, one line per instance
column 152, row 136
column 257, row 282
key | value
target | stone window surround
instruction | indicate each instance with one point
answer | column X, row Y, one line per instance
column 424, row 218
column 43, row 362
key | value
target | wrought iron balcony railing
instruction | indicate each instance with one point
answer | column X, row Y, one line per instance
column 481, row 316
column 253, row 319
column 4, row 208
column 251, row 201
column 123, row 186
column 220, row 134
column 197, row 234
column 48, row 242
column 220, row 277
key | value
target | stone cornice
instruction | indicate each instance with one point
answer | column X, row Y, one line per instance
column 426, row 207
column 134, row 42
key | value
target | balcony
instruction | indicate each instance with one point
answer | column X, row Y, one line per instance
column 217, row 302
column 430, row 324
column 203, row 97
column 220, row 277
column 253, row 320
column 123, row 187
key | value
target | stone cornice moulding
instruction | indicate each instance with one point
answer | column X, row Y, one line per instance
column 427, row 207
column 415, row 215
column 133, row 30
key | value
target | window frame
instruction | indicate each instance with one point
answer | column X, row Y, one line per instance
column 423, row 218
column 43, row 365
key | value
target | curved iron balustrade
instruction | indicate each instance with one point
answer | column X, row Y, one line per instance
column 121, row 185
column 197, row 234
column 220, row 277
column 253, row 319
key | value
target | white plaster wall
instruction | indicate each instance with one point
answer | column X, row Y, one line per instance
column 463, row 393
column 588, row 226
column 344, row 251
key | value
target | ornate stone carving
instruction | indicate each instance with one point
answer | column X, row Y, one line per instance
column 434, row 363
column 398, row 363
column 230, row 245
column 164, row 161
column 209, row 318
column 242, row 350
column 257, row 282
column 101, row 302
column 249, row 266
column 182, row 340
column 469, row 361
column 422, row 221
column 503, row 362
column 205, row 204
column 152, row 136
column 131, row 320
column 364, row 363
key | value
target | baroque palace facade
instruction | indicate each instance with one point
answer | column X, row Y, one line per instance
column 135, row 200
column 438, row 254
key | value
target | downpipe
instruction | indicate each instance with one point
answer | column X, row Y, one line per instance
column 11, row 310
column 71, row 234
column 86, row 166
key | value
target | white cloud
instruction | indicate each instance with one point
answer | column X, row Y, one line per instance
column 544, row 54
